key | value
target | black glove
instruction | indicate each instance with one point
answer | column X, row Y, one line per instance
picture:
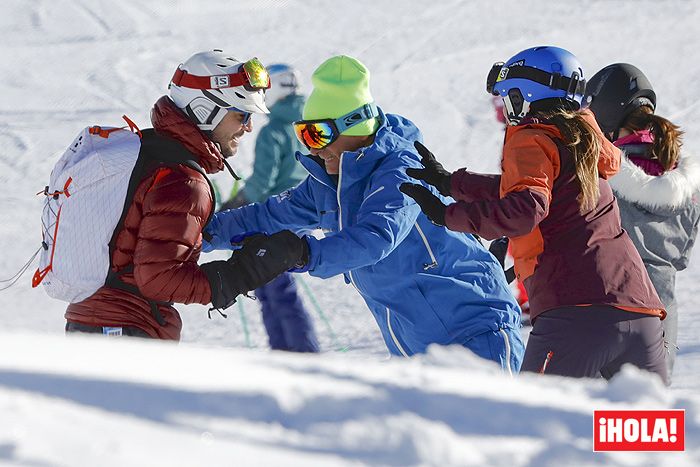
column 236, row 202
column 499, row 249
column 433, row 173
column 261, row 259
column 428, row 202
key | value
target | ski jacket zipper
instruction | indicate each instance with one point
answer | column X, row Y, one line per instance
column 427, row 247
column 340, row 211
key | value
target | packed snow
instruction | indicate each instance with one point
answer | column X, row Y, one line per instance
column 221, row 397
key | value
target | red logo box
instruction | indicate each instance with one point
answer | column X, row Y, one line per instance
column 639, row 430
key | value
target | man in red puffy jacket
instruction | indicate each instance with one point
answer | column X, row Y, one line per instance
column 156, row 246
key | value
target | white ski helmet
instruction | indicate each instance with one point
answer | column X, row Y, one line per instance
column 209, row 83
column 285, row 82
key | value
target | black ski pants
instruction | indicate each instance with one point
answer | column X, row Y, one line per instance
column 595, row 341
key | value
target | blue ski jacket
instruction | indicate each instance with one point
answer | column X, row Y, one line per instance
column 423, row 283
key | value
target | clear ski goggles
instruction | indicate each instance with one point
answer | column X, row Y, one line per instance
column 252, row 75
column 318, row 134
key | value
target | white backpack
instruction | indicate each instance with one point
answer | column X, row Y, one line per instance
column 84, row 203
column 90, row 190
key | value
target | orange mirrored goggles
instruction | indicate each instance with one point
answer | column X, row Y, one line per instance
column 317, row 134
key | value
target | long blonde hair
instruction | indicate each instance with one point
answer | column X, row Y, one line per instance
column 581, row 139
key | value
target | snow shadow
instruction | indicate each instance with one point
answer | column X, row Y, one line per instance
column 465, row 415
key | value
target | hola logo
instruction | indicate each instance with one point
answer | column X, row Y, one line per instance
column 639, row 430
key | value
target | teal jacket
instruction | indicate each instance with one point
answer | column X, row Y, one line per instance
column 276, row 169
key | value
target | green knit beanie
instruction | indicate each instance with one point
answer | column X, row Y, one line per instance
column 341, row 85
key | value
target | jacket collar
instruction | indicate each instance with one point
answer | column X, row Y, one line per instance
column 170, row 121
column 670, row 190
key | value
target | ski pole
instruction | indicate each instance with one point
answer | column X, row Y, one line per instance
column 13, row 280
column 322, row 315
column 244, row 322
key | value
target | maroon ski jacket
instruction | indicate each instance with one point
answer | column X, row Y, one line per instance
column 564, row 257
column 160, row 241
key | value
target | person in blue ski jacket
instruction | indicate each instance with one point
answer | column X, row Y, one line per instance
column 423, row 284
column 287, row 322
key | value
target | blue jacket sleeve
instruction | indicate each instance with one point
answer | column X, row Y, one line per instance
column 293, row 209
column 258, row 187
column 384, row 219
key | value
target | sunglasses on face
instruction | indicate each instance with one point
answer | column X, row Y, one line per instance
column 318, row 134
column 246, row 115
column 252, row 75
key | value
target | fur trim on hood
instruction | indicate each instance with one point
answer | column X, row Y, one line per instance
column 671, row 190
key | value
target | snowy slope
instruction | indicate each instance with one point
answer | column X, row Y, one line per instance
column 68, row 64
column 88, row 403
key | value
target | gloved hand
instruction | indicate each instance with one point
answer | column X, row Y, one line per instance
column 499, row 249
column 260, row 259
column 433, row 173
column 236, row 241
column 430, row 204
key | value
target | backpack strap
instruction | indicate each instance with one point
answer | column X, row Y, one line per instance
column 156, row 150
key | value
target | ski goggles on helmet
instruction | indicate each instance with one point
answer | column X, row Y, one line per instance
column 252, row 75
column 573, row 85
column 318, row 134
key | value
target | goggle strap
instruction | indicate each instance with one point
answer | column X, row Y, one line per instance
column 240, row 78
column 553, row 80
column 186, row 80
column 356, row 117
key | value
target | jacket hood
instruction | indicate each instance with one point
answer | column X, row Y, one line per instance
column 395, row 133
column 288, row 110
column 170, row 121
column 665, row 193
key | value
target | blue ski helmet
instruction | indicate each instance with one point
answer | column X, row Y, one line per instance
column 285, row 82
column 534, row 75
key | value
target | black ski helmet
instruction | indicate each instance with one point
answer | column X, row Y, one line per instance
column 615, row 91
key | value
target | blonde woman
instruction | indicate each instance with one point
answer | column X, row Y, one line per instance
column 591, row 301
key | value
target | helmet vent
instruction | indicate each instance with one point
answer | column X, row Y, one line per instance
column 222, row 65
column 240, row 95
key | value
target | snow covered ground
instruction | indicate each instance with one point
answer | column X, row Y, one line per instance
column 220, row 397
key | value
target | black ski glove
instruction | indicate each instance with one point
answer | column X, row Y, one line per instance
column 428, row 202
column 433, row 173
column 499, row 249
column 261, row 259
